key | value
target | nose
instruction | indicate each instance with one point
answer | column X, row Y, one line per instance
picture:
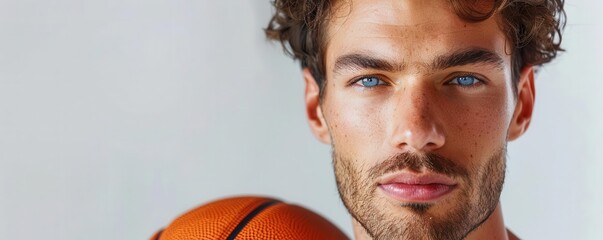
column 414, row 125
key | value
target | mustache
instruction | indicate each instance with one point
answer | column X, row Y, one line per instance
column 417, row 162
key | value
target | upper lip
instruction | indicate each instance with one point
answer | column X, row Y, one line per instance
column 411, row 178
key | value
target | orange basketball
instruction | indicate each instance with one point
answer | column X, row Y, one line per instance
column 249, row 218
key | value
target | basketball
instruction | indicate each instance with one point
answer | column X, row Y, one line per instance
column 249, row 217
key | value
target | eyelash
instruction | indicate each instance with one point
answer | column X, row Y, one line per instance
column 357, row 81
column 479, row 81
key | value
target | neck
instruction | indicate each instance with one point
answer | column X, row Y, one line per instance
column 493, row 228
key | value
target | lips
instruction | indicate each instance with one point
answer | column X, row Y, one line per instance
column 416, row 187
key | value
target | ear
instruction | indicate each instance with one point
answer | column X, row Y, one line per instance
column 316, row 120
column 525, row 104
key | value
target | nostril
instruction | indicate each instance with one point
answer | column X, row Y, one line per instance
column 418, row 138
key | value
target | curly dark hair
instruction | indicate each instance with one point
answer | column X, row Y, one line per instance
column 533, row 26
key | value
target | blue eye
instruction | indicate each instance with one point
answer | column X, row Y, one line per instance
column 465, row 81
column 369, row 82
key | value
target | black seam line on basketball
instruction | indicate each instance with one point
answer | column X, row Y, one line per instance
column 249, row 217
column 159, row 234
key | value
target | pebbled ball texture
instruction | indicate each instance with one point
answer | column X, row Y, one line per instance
column 249, row 217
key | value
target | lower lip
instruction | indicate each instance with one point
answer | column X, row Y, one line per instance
column 416, row 192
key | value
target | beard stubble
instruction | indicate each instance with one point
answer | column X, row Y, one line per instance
column 474, row 201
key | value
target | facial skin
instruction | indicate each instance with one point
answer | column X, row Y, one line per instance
column 415, row 93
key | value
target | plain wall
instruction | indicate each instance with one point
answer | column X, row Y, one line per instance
column 116, row 116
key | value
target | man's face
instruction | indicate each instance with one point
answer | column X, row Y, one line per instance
column 418, row 107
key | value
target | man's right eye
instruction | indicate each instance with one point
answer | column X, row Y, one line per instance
column 369, row 82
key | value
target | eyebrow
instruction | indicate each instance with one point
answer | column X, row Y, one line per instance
column 359, row 61
column 466, row 57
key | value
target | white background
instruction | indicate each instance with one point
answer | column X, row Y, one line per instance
column 118, row 115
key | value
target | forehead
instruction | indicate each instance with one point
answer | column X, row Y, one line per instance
column 414, row 31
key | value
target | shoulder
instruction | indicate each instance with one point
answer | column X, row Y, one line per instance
column 511, row 235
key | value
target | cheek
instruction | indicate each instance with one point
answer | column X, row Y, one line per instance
column 355, row 128
column 477, row 130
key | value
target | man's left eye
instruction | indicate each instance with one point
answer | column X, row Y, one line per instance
column 464, row 81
